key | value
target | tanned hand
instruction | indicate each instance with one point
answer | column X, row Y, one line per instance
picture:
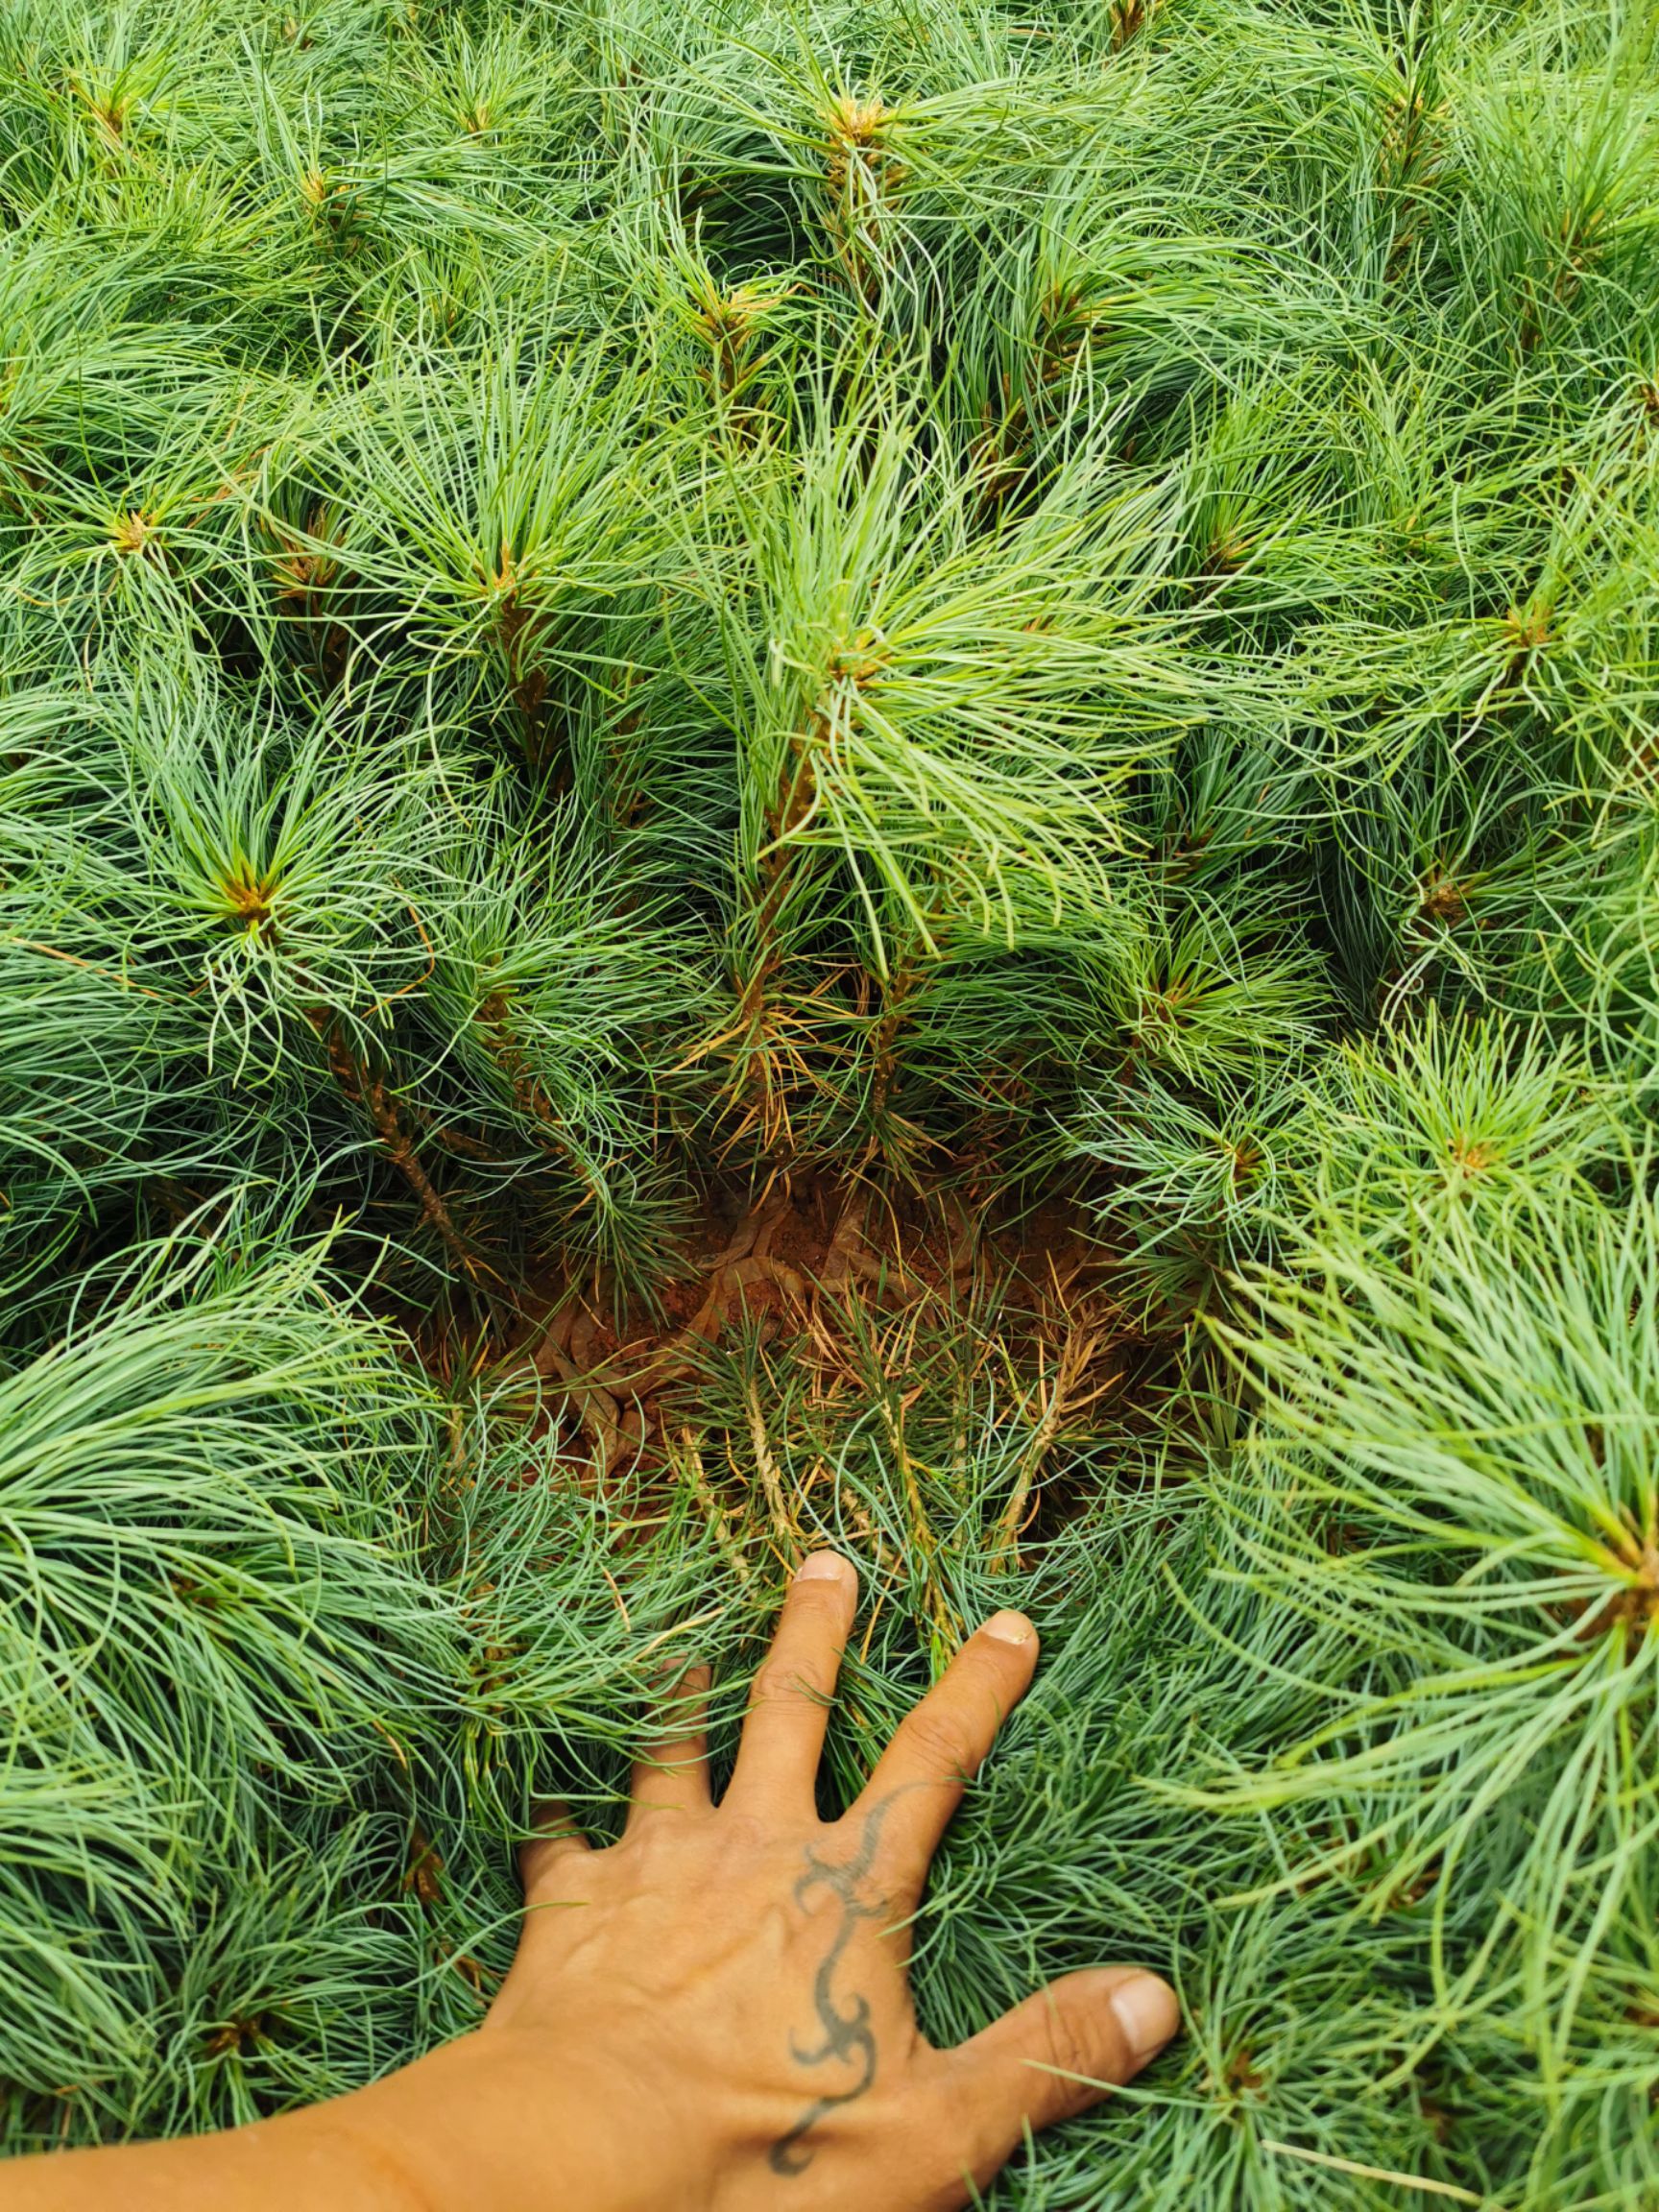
column 713, row 2014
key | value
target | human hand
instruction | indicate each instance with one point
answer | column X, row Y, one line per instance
column 710, row 2016
column 725, row 1988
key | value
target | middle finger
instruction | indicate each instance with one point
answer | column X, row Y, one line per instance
column 789, row 1703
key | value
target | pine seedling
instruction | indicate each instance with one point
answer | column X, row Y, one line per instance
column 805, row 709
column 473, row 553
column 246, row 1525
column 82, row 1981
column 214, row 1614
column 302, row 1973
column 1452, row 1453
column 926, row 741
column 100, row 1067
column 722, row 341
column 1578, row 945
column 555, row 999
column 1443, row 1119
column 931, row 706
column 125, row 509
column 288, row 868
column 1194, row 1184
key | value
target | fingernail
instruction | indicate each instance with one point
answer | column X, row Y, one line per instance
column 1009, row 1628
column 826, row 1567
column 1147, row 2013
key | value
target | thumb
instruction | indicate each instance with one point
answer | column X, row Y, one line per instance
column 1060, row 2052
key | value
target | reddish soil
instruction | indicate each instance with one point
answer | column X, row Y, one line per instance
column 794, row 1259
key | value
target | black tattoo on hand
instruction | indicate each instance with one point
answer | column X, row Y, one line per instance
column 848, row 2037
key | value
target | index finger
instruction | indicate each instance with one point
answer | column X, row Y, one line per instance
column 789, row 1700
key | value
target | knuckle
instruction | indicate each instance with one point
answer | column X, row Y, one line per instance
column 817, row 1600
column 656, row 1847
column 546, row 1862
column 781, row 1681
column 940, row 1741
column 1068, row 2046
column 816, row 1593
column 978, row 2125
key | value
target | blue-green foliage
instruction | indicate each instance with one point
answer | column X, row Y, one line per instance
column 604, row 610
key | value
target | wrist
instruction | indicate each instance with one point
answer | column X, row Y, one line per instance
column 419, row 2134
column 317, row 2159
column 511, row 2122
